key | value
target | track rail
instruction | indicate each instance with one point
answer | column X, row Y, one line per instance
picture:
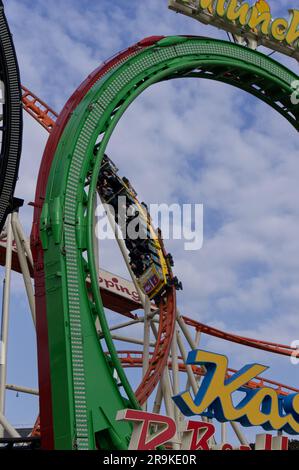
column 38, row 109
column 11, row 121
column 275, row 348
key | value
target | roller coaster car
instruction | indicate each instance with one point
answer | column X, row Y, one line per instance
column 152, row 281
column 153, row 278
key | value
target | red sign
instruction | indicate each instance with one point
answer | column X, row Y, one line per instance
column 197, row 435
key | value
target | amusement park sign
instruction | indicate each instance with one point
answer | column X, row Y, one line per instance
column 216, row 399
column 195, row 435
column 216, row 396
column 253, row 24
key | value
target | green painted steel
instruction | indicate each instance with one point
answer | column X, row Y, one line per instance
column 86, row 397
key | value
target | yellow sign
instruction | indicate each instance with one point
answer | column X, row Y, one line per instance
column 216, row 397
column 242, row 15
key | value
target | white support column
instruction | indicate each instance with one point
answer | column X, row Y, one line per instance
column 223, row 433
column 23, row 239
column 169, row 404
column 146, row 341
column 127, row 339
column 196, row 343
column 18, row 388
column 8, row 427
column 175, row 376
column 197, row 338
column 185, row 331
column 5, row 322
column 157, row 404
column 166, row 389
column 191, row 376
column 24, row 267
column 239, row 433
column 119, row 326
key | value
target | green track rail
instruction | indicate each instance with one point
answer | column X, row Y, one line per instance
column 85, row 395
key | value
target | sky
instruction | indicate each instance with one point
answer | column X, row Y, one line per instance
column 185, row 141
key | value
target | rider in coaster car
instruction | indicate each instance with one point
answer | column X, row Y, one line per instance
column 169, row 258
column 141, row 247
column 132, row 214
column 129, row 243
column 146, row 260
column 137, row 251
column 139, row 227
column 115, row 183
column 137, row 267
column 106, row 191
column 145, row 207
column 177, row 284
column 104, row 175
column 142, row 229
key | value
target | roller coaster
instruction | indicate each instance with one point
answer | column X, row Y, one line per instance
column 81, row 369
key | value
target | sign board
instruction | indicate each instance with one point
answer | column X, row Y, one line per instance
column 218, row 397
column 151, row 431
column 118, row 285
column 251, row 24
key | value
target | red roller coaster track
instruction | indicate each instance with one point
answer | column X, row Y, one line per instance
column 275, row 348
column 38, row 109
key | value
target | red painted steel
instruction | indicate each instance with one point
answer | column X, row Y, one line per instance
column 252, row 343
column 38, row 109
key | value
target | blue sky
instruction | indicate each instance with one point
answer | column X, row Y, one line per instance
column 188, row 141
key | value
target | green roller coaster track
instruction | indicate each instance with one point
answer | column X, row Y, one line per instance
column 85, row 394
